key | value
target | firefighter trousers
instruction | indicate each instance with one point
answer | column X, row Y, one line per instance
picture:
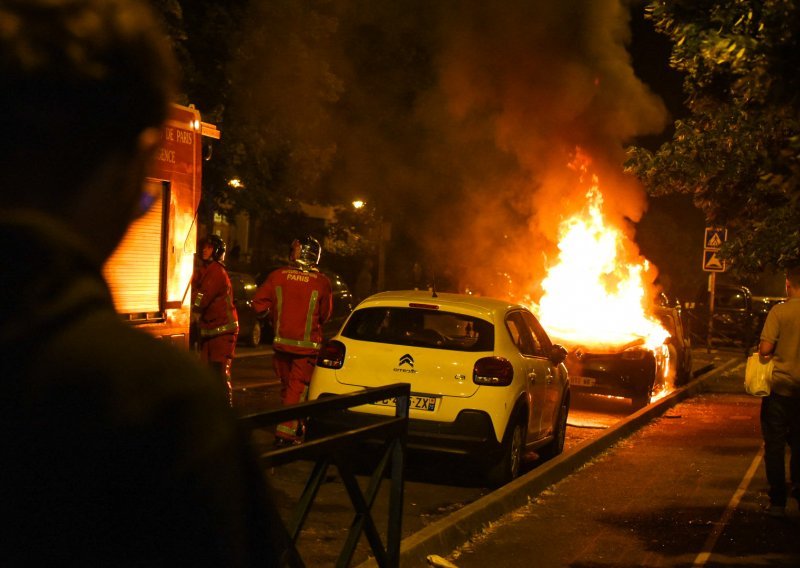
column 217, row 352
column 294, row 371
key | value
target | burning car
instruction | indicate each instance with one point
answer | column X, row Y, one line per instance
column 635, row 370
column 632, row 371
column 595, row 303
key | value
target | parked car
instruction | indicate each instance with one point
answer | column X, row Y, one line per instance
column 738, row 314
column 343, row 304
column 631, row 371
column 486, row 381
column 251, row 328
column 678, row 343
column 761, row 307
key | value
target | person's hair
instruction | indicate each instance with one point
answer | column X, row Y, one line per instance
column 79, row 81
column 793, row 276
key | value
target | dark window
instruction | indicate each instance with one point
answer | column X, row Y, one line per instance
column 521, row 334
column 730, row 300
column 542, row 341
column 421, row 328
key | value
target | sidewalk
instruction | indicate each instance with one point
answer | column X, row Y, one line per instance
column 688, row 489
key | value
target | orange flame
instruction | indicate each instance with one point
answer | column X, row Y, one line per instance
column 593, row 296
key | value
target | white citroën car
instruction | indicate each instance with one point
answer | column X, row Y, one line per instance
column 486, row 381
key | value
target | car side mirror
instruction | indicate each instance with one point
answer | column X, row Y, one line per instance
column 557, row 354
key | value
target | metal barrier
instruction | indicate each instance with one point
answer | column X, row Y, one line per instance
column 328, row 450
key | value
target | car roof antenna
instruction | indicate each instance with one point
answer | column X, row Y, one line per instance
column 433, row 284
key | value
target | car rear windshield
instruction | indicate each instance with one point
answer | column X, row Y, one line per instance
column 421, row 328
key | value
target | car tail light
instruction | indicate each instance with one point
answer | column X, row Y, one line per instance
column 331, row 356
column 493, row 371
column 423, row 306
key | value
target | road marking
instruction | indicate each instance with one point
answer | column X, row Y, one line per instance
column 711, row 541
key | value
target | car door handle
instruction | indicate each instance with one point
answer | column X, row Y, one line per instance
column 532, row 376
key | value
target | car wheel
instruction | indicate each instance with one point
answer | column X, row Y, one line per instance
column 684, row 375
column 511, row 459
column 556, row 446
column 255, row 335
column 640, row 400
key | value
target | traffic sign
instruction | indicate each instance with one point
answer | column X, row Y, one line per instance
column 712, row 262
column 715, row 237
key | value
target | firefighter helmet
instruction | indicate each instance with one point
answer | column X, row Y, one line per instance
column 306, row 252
column 217, row 245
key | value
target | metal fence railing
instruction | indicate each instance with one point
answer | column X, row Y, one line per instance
column 333, row 450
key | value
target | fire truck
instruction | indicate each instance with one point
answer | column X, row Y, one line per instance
column 150, row 273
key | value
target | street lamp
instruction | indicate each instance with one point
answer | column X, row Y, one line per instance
column 235, row 183
column 384, row 234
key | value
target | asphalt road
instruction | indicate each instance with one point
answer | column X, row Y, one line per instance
column 435, row 488
column 688, row 489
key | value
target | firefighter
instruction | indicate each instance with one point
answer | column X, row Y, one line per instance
column 213, row 309
column 297, row 299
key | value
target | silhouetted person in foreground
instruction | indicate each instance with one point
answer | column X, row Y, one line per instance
column 117, row 448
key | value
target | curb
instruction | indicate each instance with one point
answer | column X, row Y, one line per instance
column 447, row 534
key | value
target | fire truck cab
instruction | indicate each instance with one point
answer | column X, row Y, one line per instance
column 150, row 272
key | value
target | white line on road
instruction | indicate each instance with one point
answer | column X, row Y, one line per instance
column 711, row 541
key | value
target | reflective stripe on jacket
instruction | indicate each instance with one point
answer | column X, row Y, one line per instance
column 299, row 302
column 213, row 301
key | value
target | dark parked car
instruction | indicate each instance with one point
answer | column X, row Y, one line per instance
column 679, row 344
column 343, row 304
column 738, row 314
column 251, row 329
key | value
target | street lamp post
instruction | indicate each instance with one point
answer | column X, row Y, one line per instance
column 384, row 234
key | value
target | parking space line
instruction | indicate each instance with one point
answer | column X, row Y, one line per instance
column 711, row 541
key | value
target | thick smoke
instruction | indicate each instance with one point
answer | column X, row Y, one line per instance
column 542, row 78
column 459, row 118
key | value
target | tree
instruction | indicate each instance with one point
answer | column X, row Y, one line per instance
column 737, row 151
column 259, row 70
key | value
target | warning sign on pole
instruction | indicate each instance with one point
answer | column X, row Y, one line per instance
column 714, row 239
column 712, row 262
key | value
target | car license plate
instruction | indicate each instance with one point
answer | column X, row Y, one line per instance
column 426, row 403
column 583, row 381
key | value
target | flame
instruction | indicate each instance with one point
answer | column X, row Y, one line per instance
column 593, row 296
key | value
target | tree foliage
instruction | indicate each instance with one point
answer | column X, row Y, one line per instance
column 737, row 151
column 257, row 69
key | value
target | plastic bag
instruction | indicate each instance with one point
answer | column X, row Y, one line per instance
column 757, row 376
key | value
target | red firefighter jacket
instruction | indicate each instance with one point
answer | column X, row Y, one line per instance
column 213, row 301
column 299, row 302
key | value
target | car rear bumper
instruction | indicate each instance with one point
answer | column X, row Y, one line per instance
column 613, row 376
column 471, row 434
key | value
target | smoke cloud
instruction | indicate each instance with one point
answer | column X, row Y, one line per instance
column 459, row 119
